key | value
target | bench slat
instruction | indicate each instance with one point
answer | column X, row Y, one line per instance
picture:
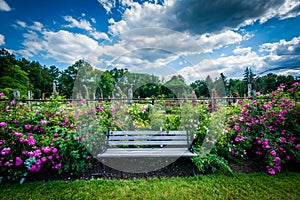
column 148, row 149
column 163, row 152
column 138, row 137
column 147, row 133
column 173, row 142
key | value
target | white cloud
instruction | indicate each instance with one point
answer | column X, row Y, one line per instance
column 278, row 55
column 282, row 47
column 62, row 46
column 37, row 26
column 108, row 4
column 99, row 35
column 68, row 47
column 2, row 39
column 231, row 66
column 217, row 41
column 93, row 20
column 81, row 24
column 139, row 16
column 242, row 51
column 33, row 44
column 152, row 45
column 85, row 25
column 288, row 9
column 282, row 54
column 4, row 6
column 21, row 23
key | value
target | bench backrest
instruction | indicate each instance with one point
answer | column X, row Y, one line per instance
column 148, row 139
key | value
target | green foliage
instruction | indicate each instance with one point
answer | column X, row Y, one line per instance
column 105, row 85
column 200, row 88
column 211, row 163
column 23, row 75
column 177, row 86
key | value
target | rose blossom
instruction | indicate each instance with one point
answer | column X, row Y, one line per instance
column 18, row 161
column 273, row 153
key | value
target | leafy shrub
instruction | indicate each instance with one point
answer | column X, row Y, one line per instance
column 39, row 137
column 211, row 163
column 266, row 129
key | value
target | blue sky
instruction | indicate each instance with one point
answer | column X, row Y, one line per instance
column 194, row 38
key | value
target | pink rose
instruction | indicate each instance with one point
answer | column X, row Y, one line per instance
column 273, row 153
column 18, row 161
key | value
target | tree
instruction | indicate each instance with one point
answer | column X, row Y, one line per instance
column 67, row 78
column 12, row 77
column 105, row 85
column 210, row 84
column 236, row 87
column 117, row 74
column 219, row 85
column 200, row 88
column 248, row 79
column 177, row 86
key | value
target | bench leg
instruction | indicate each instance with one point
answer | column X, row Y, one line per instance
column 194, row 170
column 102, row 168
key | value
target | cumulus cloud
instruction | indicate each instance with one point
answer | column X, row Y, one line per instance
column 148, row 47
column 108, row 5
column 85, row 25
column 216, row 41
column 282, row 55
column 2, row 39
column 241, row 51
column 68, row 47
column 81, row 24
column 36, row 26
column 99, row 35
column 140, row 16
column 282, row 47
column 231, row 65
column 62, row 46
column 4, row 6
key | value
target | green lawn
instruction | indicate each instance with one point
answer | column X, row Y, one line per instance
column 242, row 186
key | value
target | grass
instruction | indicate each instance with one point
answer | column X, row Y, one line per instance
column 242, row 186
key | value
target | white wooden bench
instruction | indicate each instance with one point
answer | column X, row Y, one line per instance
column 142, row 144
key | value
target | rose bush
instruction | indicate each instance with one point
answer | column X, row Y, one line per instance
column 40, row 137
column 266, row 129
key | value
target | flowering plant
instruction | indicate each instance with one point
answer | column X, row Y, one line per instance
column 267, row 128
column 39, row 137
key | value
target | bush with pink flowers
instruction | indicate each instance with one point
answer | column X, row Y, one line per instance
column 40, row 137
column 266, row 129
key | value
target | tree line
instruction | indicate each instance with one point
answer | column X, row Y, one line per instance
column 81, row 79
